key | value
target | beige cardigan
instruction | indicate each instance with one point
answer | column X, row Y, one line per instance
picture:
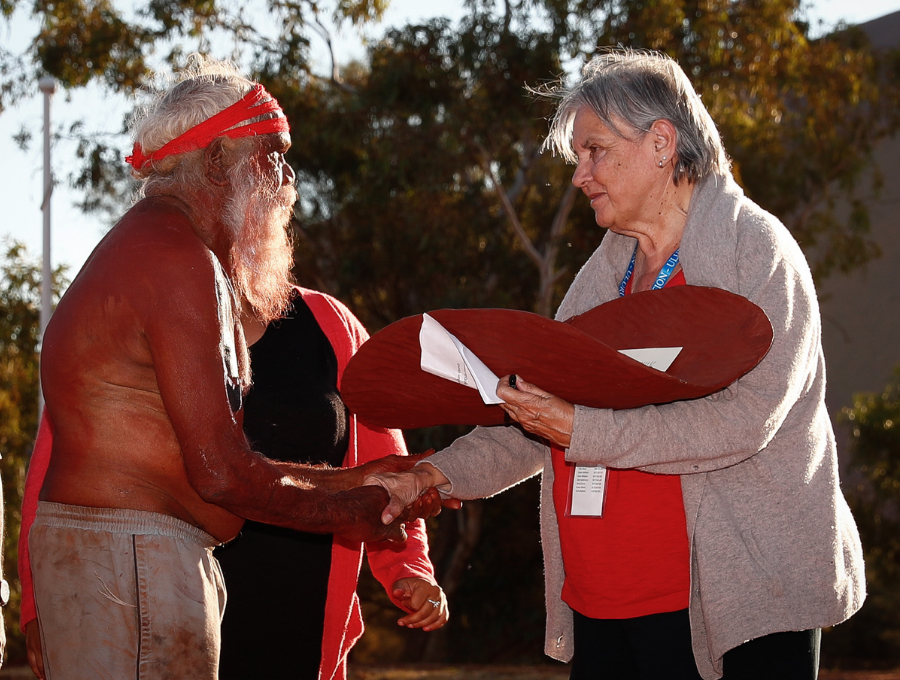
column 773, row 544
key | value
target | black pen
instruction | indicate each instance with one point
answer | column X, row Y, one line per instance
column 512, row 381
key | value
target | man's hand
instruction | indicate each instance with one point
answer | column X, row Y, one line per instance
column 357, row 514
column 362, row 507
column 539, row 412
column 428, row 504
column 425, row 601
column 33, row 645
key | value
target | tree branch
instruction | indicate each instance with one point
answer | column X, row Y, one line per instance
column 510, row 211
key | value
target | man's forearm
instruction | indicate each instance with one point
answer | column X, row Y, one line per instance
column 322, row 477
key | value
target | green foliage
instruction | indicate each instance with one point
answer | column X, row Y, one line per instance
column 20, row 302
column 440, row 132
column 413, row 173
column 80, row 41
column 103, row 180
column 873, row 491
column 118, row 44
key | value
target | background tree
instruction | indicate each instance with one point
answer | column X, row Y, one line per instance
column 119, row 43
column 873, row 491
column 20, row 305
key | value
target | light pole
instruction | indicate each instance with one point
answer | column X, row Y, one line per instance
column 48, row 87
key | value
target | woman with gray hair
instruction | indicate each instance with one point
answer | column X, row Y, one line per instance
column 722, row 544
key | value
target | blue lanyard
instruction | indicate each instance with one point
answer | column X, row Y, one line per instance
column 661, row 279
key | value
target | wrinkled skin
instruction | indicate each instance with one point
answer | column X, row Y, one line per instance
column 539, row 412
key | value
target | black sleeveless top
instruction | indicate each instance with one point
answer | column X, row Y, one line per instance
column 277, row 578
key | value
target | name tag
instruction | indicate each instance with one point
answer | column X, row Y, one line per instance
column 588, row 492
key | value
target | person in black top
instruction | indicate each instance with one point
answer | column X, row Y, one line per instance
column 277, row 579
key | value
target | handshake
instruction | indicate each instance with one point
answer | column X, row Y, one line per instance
column 383, row 495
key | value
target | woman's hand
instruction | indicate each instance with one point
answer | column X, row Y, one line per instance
column 537, row 411
column 425, row 601
column 33, row 645
column 405, row 487
column 428, row 504
column 348, row 478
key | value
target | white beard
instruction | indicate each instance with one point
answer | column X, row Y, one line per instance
column 261, row 252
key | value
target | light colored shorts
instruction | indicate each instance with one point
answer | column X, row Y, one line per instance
column 125, row 594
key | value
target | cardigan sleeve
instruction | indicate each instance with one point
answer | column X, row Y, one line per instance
column 34, row 480
column 489, row 460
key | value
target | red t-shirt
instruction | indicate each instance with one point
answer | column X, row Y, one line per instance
column 634, row 560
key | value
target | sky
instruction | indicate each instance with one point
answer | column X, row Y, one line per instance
column 74, row 235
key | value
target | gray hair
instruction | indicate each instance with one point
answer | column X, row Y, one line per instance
column 204, row 88
column 640, row 87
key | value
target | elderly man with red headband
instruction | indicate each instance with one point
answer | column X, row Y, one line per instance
column 144, row 366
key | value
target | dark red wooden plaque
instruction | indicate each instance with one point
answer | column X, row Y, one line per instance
column 723, row 335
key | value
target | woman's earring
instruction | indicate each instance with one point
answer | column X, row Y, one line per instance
column 661, row 162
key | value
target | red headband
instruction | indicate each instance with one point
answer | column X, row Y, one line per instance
column 199, row 136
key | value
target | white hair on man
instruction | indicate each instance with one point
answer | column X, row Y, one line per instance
column 212, row 99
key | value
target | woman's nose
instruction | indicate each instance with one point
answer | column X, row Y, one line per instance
column 581, row 175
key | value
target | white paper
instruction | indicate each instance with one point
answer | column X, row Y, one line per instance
column 659, row 358
column 445, row 356
column 588, row 491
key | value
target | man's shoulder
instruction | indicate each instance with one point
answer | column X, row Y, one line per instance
column 158, row 224
column 154, row 237
column 151, row 259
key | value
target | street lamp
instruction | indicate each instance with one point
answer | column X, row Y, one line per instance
column 48, row 87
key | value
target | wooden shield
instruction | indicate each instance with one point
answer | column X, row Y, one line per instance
column 723, row 336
